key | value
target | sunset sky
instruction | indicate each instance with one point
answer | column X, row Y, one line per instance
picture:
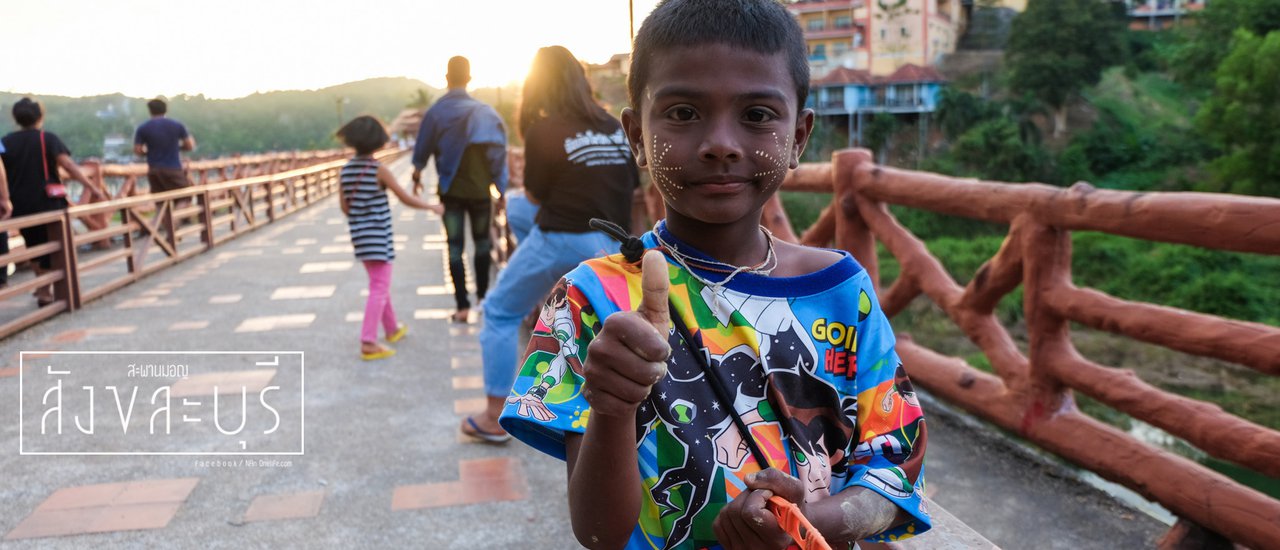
column 232, row 48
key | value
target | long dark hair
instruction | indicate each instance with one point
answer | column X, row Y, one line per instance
column 558, row 87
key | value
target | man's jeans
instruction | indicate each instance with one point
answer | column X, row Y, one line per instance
column 456, row 211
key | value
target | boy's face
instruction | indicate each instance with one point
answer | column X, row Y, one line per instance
column 718, row 128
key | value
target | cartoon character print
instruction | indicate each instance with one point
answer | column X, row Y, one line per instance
column 672, row 401
column 556, row 333
column 896, row 447
column 819, row 437
column 787, row 355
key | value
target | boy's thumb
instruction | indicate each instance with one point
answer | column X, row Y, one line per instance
column 654, row 283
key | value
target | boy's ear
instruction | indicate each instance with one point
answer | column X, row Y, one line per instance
column 635, row 135
column 804, row 129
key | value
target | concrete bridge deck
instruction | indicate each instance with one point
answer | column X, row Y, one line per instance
column 383, row 465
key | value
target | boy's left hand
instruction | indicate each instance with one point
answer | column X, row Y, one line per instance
column 747, row 523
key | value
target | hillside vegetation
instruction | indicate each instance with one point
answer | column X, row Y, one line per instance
column 270, row 121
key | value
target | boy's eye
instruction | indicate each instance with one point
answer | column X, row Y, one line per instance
column 682, row 113
column 759, row 115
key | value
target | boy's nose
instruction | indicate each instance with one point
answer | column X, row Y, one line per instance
column 720, row 144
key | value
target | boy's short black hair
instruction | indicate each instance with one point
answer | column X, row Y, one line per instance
column 27, row 112
column 157, row 107
column 762, row 26
column 365, row 134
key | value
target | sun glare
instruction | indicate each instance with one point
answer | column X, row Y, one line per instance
column 244, row 46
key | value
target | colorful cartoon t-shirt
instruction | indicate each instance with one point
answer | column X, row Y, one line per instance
column 808, row 362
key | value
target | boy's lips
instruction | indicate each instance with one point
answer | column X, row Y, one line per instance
column 721, row 184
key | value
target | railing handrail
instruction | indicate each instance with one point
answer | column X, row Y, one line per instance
column 151, row 198
column 1029, row 393
column 141, row 168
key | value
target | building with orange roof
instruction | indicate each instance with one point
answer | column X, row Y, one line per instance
column 845, row 97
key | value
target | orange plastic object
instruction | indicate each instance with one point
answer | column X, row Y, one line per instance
column 795, row 524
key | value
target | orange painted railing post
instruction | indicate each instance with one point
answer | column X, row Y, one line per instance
column 851, row 231
column 1046, row 256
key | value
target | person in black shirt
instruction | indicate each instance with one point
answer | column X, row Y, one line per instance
column 577, row 167
column 32, row 157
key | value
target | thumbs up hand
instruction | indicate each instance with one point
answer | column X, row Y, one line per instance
column 654, row 283
column 629, row 355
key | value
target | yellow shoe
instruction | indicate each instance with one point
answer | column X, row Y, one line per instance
column 380, row 354
column 398, row 334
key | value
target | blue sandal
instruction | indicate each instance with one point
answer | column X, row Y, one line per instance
column 487, row 437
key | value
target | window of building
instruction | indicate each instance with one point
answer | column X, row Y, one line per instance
column 857, row 39
column 817, row 24
column 839, row 48
column 904, row 32
column 819, row 52
column 835, row 97
column 882, row 34
column 905, row 94
column 844, row 21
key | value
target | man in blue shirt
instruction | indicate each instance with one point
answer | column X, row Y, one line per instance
column 469, row 141
column 160, row 139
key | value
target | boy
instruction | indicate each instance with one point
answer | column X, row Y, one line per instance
column 792, row 336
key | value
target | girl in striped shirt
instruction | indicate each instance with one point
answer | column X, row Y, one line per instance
column 364, row 184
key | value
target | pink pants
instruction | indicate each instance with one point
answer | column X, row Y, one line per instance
column 379, row 305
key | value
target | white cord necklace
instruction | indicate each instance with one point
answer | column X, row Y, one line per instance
column 719, row 305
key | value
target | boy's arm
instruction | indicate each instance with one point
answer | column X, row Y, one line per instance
column 854, row 514
column 623, row 363
column 604, row 498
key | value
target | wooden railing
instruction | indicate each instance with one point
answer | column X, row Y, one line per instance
column 158, row 230
column 1031, row 394
column 211, row 170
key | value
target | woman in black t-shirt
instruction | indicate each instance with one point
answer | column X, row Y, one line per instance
column 32, row 157
column 577, row 167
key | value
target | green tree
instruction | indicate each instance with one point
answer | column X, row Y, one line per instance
column 1204, row 44
column 1243, row 116
column 1059, row 47
column 878, row 134
column 959, row 111
column 994, row 149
